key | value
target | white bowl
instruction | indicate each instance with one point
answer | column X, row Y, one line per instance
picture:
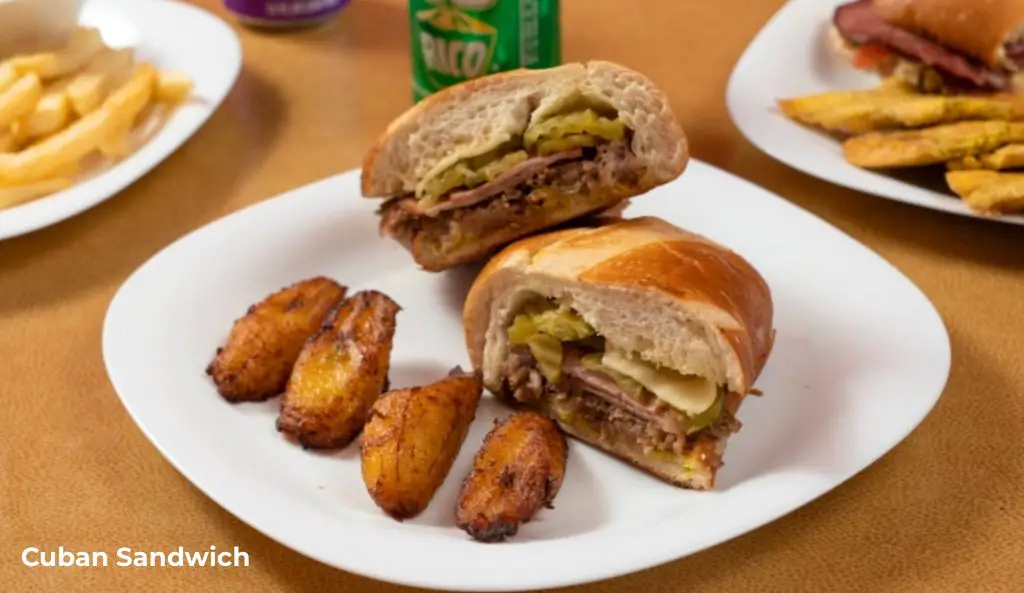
column 35, row 25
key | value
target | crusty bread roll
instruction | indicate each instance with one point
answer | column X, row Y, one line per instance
column 909, row 71
column 979, row 28
column 455, row 133
column 673, row 298
column 473, row 117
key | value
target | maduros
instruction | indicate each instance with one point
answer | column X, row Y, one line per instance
column 127, row 557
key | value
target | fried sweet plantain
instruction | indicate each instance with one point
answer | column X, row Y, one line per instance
column 930, row 146
column 518, row 470
column 873, row 112
column 257, row 358
column 340, row 373
column 412, row 438
column 989, row 192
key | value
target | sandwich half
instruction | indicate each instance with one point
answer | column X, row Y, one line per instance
column 637, row 337
column 484, row 163
column 936, row 45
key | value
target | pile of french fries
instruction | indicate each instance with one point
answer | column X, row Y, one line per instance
column 978, row 139
column 70, row 113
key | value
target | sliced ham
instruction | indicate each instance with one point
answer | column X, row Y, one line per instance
column 1015, row 52
column 859, row 23
column 507, row 180
column 602, row 386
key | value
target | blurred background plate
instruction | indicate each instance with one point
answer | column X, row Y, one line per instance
column 860, row 359
column 171, row 36
column 790, row 57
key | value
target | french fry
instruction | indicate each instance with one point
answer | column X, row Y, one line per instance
column 8, row 76
column 173, row 87
column 130, row 137
column 52, row 113
column 83, row 44
column 7, row 142
column 20, row 99
column 118, row 145
column 89, row 88
column 15, row 137
column 69, row 114
column 83, row 136
column 21, row 194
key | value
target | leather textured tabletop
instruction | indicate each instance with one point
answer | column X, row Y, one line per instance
column 944, row 511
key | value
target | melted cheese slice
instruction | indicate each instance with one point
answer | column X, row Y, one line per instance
column 687, row 393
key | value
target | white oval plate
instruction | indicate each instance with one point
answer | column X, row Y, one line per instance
column 861, row 358
column 791, row 57
column 172, row 36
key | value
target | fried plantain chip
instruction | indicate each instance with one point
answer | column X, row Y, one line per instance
column 930, row 146
column 412, row 439
column 340, row 373
column 518, row 470
column 881, row 112
column 1007, row 157
column 989, row 192
column 255, row 362
column 820, row 102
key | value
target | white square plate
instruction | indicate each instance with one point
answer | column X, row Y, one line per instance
column 791, row 56
column 861, row 358
column 171, row 36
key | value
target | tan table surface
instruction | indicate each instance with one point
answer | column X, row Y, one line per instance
column 943, row 512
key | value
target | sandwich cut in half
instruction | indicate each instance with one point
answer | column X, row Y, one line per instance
column 636, row 337
column 936, row 45
column 484, row 163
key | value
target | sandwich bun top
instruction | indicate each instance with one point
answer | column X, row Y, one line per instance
column 673, row 297
column 980, row 28
column 476, row 116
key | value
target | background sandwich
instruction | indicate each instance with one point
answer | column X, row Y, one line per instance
column 936, row 45
column 636, row 337
column 484, row 163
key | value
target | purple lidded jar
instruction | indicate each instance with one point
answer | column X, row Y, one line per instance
column 282, row 14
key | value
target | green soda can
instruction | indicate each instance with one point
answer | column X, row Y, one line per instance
column 457, row 40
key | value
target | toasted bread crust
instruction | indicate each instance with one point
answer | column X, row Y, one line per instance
column 388, row 168
column 639, row 256
column 978, row 28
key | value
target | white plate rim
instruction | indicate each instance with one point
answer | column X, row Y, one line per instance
column 860, row 180
column 58, row 207
column 526, row 582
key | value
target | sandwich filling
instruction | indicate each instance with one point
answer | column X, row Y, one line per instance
column 565, row 156
column 880, row 45
column 558, row 360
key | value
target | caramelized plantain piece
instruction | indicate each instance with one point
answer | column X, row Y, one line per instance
column 412, row 438
column 518, row 470
column 989, row 192
column 930, row 146
column 255, row 362
column 341, row 372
